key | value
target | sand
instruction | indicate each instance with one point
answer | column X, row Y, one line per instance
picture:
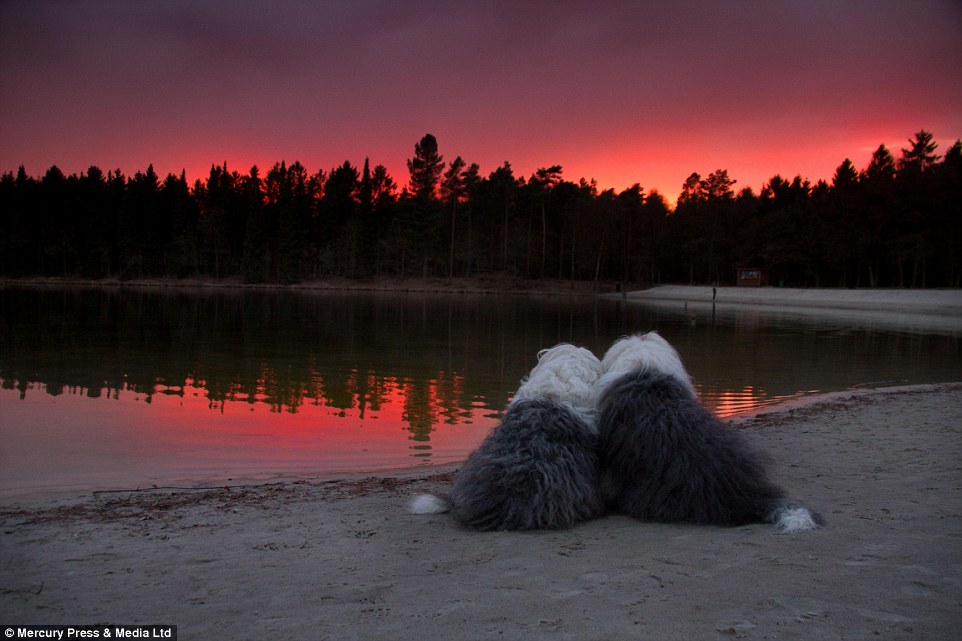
column 344, row 560
column 924, row 310
column 948, row 301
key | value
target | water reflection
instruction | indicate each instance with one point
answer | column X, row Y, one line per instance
column 285, row 351
column 134, row 386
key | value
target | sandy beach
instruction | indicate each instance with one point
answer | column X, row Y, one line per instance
column 918, row 301
column 344, row 560
column 926, row 310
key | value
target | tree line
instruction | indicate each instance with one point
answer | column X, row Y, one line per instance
column 895, row 223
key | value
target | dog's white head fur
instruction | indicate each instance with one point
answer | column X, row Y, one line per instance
column 566, row 374
column 643, row 353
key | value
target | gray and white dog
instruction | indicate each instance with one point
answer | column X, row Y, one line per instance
column 666, row 458
column 538, row 469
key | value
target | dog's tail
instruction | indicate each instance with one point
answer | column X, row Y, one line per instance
column 429, row 504
column 789, row 517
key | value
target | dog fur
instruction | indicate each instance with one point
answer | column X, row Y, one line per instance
column 643, row 353
column 539, row 468
column 666, row 458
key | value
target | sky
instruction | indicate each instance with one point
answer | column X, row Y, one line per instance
column 619, row 92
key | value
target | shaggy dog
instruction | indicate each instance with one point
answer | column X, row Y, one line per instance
column 643, row 353
column 539, row 468
column 666, row 458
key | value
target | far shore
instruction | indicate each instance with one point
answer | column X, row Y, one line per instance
column 925, row 310
column 935, row 301
column 917, row 301
column 916, row 310
column 494, row 284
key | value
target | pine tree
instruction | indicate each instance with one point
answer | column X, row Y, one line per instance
column 920, row 157
column 426, row 168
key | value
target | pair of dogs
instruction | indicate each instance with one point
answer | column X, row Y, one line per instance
column 582, row 436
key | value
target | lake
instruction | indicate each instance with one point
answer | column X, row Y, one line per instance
column 109, row 387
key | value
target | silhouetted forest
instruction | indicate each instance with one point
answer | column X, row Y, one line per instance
column 895, row 223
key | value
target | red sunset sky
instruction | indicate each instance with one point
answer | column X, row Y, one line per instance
column 622, row 92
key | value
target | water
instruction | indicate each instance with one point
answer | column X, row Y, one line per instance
column 121, row 388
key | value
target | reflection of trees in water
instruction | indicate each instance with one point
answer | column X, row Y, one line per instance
column 438, row 359
column 441, row 358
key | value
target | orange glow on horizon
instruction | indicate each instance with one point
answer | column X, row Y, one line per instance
column 657, row 160
column 758, row 90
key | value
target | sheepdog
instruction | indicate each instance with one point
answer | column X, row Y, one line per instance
column 539, row 468
column 666, row 458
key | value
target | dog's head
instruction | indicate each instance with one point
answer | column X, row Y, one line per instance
column 564, row 373
column 643, row 353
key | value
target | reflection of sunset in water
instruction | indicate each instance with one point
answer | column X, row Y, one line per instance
column 185, row 433
column 729, row 402
column 418, row 404
column 115, row 387
column 125, row 438
column 725, row 403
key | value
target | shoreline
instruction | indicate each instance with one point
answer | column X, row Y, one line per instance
column 740, row 420
column 915, row 310
column 920, row 301
column 343, row 559
column 909, row 301
column 498, row 285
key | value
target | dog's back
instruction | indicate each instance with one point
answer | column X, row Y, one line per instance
column 537, row 470
column 666, row 458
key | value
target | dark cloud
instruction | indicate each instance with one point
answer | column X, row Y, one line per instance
column 499, row 80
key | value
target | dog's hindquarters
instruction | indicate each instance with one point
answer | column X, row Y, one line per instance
column 666, row 458
column 537, row 470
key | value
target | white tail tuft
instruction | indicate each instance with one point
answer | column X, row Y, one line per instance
column 428, row 504
column 794, row 519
